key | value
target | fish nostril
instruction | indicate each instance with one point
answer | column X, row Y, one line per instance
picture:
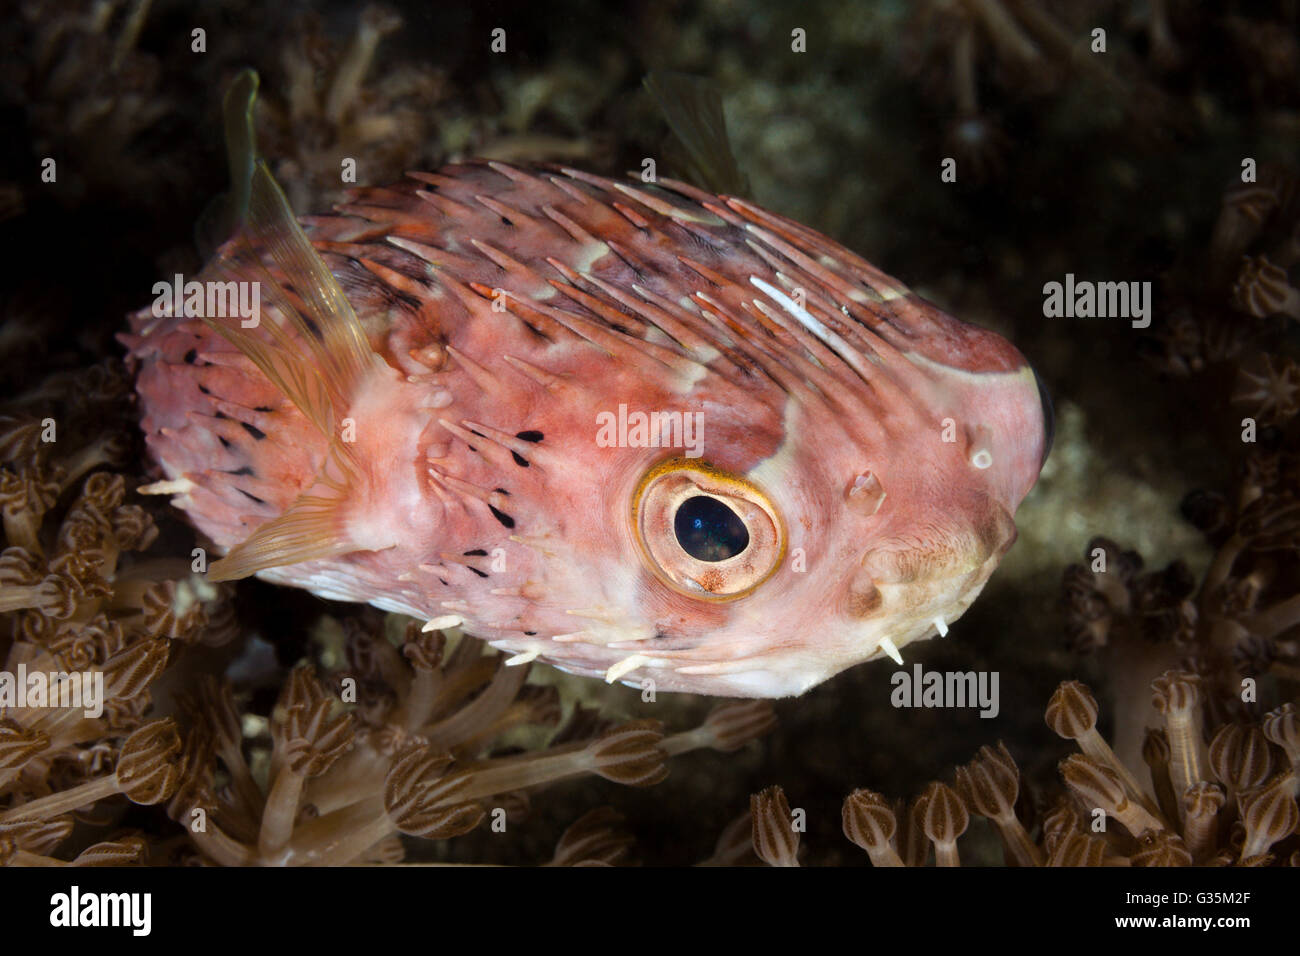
column 1049, row 416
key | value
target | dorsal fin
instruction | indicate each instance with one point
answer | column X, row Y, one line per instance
column 693, row 108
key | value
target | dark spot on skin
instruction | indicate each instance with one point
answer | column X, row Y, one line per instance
column 481, row 574
column 479, row 434
column 246, row 471
column 697, row 241
column 506, row 222
column 520, row 460
column 253, row 430
column 537, row 332
column 476, row 553
column 637, row 272
column 224, row 443
column 501, row 516
column 263, row 408
column 204, row 390
column 251, row 497
column 502, row 491
column 190, row 356
column 530, row 633
column 532, row 436
column 218, row 414
column 444, row 581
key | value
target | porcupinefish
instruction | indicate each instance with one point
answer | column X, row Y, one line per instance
column 637, row 431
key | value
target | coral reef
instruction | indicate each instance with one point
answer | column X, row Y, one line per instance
column 328, row 106
column 75, row 113
column 1231, row 802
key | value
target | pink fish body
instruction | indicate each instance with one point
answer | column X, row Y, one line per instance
column 640, row 432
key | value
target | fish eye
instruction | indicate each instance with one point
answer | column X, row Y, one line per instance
column 705, row 532
column 708, row 530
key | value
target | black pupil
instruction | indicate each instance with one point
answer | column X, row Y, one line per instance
column 708, row 530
